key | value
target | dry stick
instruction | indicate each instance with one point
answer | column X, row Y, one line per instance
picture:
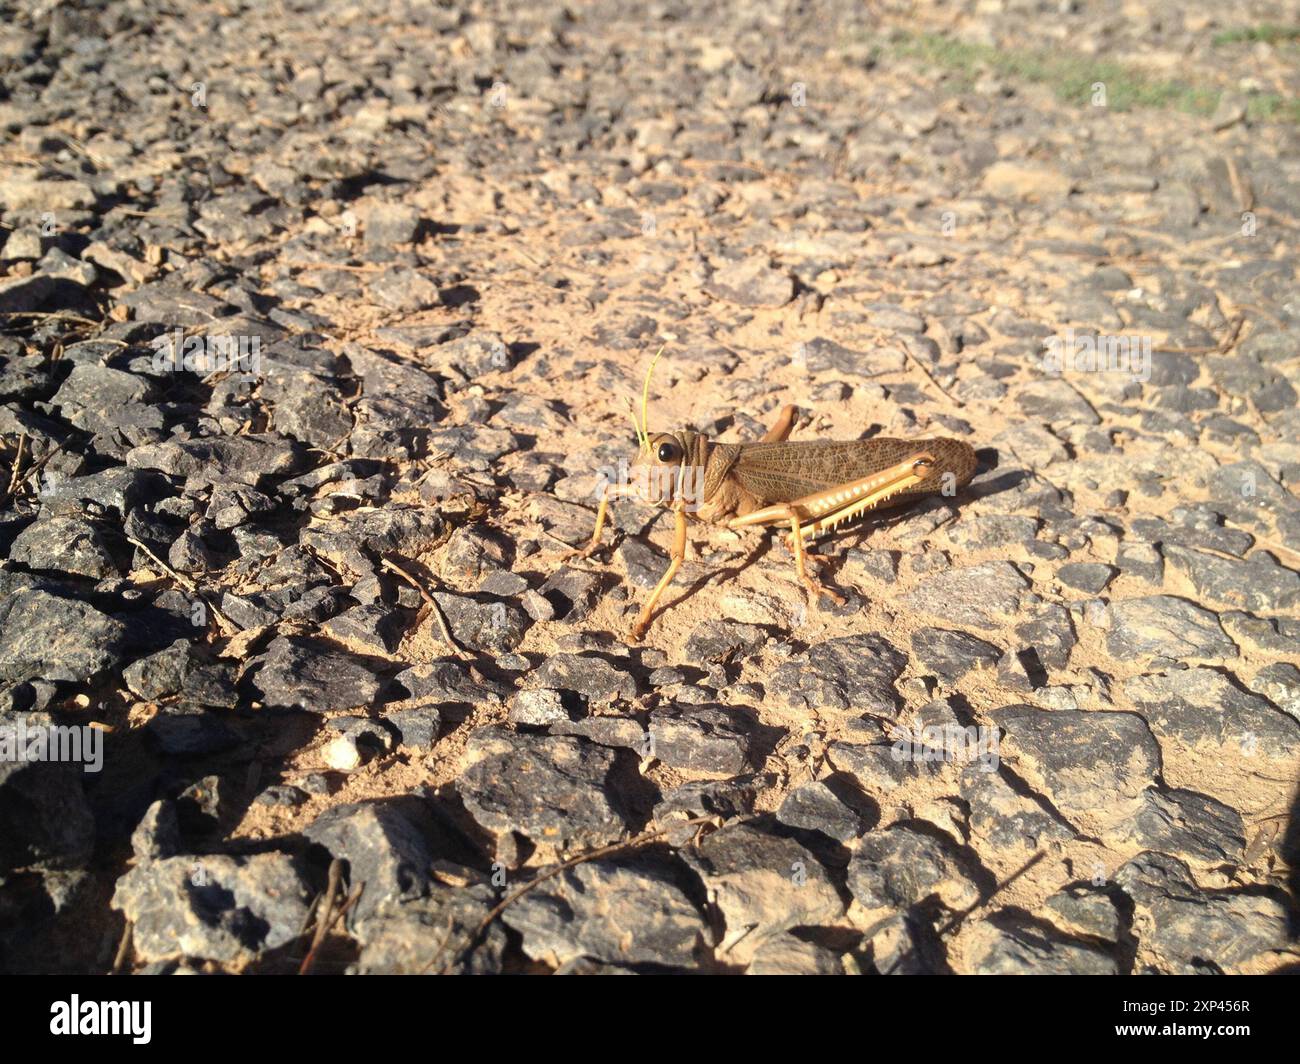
column 342, row 911
column 930, row 377
column 42, row 315
column 324, row 917
column 432, row 603
column 18, row 461
column 1241, row 186
column 1234, row 333
column 587, row 855
column 38, row 465
column 188, row 584
column 123, row 950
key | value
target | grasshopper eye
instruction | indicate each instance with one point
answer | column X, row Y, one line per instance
column 668, row 452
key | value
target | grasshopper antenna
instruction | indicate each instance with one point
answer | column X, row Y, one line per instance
column 645, row 397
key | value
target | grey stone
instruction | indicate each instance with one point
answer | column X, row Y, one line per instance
column 592, row 677
column 1093, row 766
column 1185, row 927
column 711, row 739
column 1004, row 818
column 552, row 789
column 902, row 866
column 1202, row 706
column 814, row 807
column 67, row 545
column 1258, row 584
column 301, row 673
column 1168, row 627
column 1192, row 825
column 950, row 655
column 43, row 636
column 383, row 845
column 1009, row 943
column 981, row 596
column 761, row 885
column 1088, row 577
column 853, row 674
column 214, row 907
column 612, row 912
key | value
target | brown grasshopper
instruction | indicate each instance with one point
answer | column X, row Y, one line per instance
column 810, row 485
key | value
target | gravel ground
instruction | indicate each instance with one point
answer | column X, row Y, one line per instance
column 318, row 322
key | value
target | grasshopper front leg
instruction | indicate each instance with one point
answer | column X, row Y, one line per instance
column 678, row 555
column 610, row 491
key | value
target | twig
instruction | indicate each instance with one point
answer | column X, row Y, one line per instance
column 432, row 603
column 42, row 315
column 324, row 918
column 1241, row 187
column 123, row 950
column 18, row 461
column 185, row 582
column 930, row 377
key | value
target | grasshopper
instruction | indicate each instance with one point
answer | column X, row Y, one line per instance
column 810, row 486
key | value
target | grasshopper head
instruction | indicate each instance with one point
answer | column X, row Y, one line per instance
column 669, row 466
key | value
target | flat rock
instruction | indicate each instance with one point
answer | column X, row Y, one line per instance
column 1201, row 706
column 1192, row 825
column 612, row 912
column 596, row 679
column 761, row 885
column 552, row 789
column 1186, row 927
column 1168, row 627
column 950, row 654
column 65, row 544
column 383, row 845
column 1009, row 943
column 302, row 673
column 752, row 282
column 708, row 739
column 1004, row 817
column 853, row 673
column 213, row 907
column 246, row 459
column 981, row 596
column 43, row 636
column 815, row 807
column 900, row 867
column 1259, row 584
column 1093, row 766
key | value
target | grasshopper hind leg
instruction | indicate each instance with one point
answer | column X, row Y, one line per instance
column 801, row 556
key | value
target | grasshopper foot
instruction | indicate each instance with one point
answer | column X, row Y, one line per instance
column 579, row 552
column 816, row 588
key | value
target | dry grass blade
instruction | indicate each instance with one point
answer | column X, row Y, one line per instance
column 432, row 603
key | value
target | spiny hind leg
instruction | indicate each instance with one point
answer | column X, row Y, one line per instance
column 840, row 504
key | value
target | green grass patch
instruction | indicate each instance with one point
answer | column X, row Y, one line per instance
column 1072, row 77
column 1267, row 32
